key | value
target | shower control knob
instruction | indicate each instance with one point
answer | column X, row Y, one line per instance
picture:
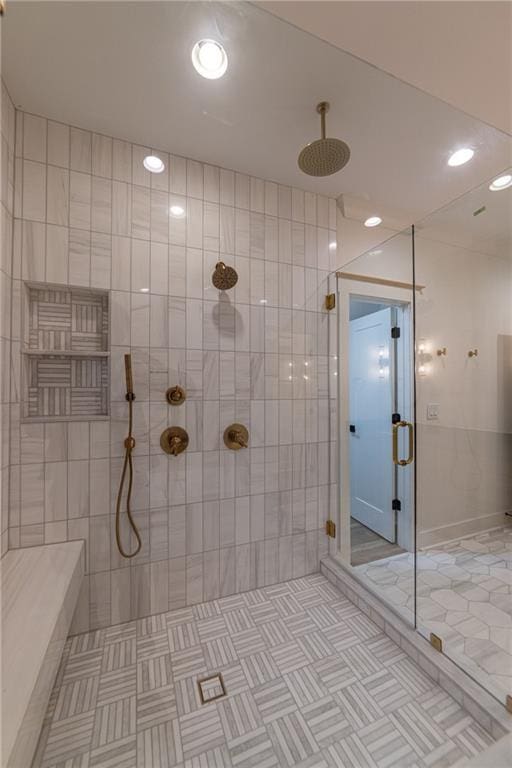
column 174, row 440
column 236, row 436
column 175, row 395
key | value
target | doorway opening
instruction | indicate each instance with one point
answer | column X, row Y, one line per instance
column 379, row 400
column 376, row 445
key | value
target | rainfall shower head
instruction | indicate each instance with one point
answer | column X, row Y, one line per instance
column 324, row 157
column 224, row 277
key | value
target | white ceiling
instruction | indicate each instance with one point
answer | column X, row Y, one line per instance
column 459, row 51
column 480, row 221
column 123, row 68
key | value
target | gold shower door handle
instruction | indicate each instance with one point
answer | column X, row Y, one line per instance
column 408, row 460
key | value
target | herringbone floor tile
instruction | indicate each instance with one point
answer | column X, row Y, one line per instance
column 310, row 682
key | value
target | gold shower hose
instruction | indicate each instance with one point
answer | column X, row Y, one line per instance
column 129, row 445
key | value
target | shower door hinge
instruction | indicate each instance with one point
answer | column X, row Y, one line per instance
column 395, row 332
column 330, row 528
column 436, row 642
column 330, row 301
column 396, row 505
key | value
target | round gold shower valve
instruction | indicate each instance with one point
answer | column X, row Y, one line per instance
column 175, row 395
column 174, row 440
column 236, row 436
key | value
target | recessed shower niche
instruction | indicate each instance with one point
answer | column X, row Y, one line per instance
column 65, row 353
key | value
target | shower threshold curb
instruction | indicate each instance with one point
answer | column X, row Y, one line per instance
column 487, row 711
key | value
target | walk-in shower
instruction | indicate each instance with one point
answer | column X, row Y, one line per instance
column 231, row 569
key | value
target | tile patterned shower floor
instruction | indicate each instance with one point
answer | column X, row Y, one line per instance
column 310, row 681
column 464, row 593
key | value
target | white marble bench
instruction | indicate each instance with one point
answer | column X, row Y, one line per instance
column 39, row 591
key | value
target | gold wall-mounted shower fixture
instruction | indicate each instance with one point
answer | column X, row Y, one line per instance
column 175, row 395
column 473, row 353
column 324, row 156
column 224, row 277
column 129, row 445
column 174, row 440
column 236, row 436
column 441, row 352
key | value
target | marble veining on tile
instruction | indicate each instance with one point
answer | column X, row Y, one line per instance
column 71, row 321
column 464, row 595
column 311, row 682
column 39, row 587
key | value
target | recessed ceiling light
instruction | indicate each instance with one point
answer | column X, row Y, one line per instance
column 263, row 301
column 502, row 182
column 461, row 156
column 153, row 164
column 332, row 245
column 144, row 290
column 177, row 211
column 373, row 221
column 209, row 59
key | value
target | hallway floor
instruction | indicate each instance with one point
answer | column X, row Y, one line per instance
column 366, row 546
column 311, row 682
column 464, row 597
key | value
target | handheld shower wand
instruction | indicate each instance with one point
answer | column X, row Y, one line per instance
column 129, row 445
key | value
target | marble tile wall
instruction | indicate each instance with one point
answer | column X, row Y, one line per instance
column 7, row 132
column 213, row 522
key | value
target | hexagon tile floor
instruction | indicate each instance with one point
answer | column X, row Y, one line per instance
column 310, row 682
column 464, row 597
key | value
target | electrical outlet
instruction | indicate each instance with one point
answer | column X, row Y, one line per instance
column 432, row 411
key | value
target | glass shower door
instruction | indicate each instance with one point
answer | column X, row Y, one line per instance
column 463, row 257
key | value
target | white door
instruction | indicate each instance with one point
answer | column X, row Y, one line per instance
column 371, row 400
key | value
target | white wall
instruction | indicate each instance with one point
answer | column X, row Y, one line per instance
column 464, row 457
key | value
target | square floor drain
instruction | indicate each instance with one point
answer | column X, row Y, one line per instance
column 211, row 688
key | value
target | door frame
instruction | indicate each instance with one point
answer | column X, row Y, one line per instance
column 403, row 299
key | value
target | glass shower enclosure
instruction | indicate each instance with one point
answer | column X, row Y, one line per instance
column 424, row 390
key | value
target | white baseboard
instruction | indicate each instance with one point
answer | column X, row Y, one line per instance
column 444, row 533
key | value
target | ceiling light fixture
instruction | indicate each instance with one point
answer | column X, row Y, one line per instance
column 461, row 156
column 209, row 59
column 502, row 182
column 177, row 211
column 153, row 164
column 332, row 245
column 373, row 221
